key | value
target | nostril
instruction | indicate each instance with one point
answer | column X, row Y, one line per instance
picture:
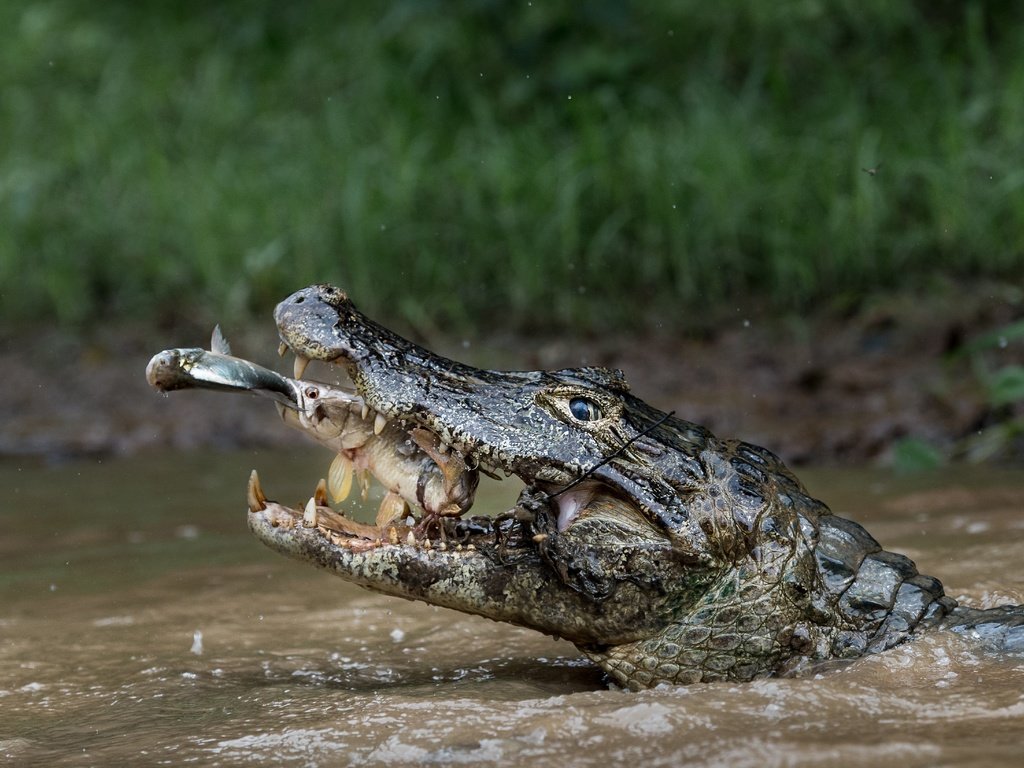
column 300, row 299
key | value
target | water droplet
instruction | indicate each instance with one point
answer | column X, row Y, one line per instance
column 1003, row 342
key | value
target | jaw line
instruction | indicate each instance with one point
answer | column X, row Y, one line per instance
column 293, row 531
column 513, row 583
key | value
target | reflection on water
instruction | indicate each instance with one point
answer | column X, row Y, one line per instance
column 110, row 569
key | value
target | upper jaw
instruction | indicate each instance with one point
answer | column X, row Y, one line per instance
column 409, row 384
column 393, row 376
column 305, row 321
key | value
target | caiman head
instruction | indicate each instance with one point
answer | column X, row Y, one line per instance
column 663, row 553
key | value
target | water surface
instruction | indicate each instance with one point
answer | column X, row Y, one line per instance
column 142, row 624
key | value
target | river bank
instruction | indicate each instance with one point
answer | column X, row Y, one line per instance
column 839, row 388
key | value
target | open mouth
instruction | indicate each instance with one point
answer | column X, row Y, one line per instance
column 425, row 428
column 429, row 479
column 429, row 485
column 343, row 531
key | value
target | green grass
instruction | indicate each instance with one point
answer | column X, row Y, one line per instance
column 460, row 165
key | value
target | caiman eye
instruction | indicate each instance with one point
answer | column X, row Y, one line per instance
column 584, row 410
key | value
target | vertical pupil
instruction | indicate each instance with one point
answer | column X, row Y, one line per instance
column 584, row 409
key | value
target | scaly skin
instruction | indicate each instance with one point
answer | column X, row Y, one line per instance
column 665, row 554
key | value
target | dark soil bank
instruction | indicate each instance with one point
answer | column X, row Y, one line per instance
column 831, row 389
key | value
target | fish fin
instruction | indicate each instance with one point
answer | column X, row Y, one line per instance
column 218, row 343
column 392, row 508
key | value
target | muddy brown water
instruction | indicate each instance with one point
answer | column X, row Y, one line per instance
column 141, row 624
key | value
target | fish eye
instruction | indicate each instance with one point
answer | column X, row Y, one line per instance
column 583, row 409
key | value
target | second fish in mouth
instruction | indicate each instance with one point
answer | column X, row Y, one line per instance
column 420, row 475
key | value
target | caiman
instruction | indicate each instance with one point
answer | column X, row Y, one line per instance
column 665, row 554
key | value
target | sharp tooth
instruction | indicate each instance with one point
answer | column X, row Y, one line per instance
column 320, row 494
column 392, row 535
column 300, row 366
column 366, row 411
column 255, row 496
column 281, row 349
column 410, row 539
column 309, row 515
column 339, row 478
column 379, row 422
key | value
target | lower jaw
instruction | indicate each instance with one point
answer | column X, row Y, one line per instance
column 441, row 534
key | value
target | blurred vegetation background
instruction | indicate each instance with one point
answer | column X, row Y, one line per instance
column 591, row 165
